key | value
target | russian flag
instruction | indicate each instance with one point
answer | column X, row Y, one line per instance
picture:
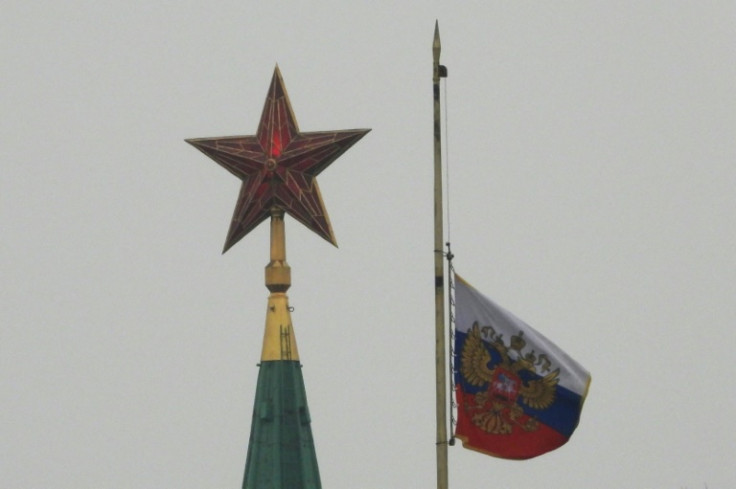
column 518, row 394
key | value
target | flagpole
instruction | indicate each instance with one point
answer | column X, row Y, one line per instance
column 439, row 273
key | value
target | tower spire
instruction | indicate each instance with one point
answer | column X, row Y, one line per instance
column 278, row 167
column 281, row 450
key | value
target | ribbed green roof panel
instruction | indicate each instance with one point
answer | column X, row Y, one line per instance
column 281, row 451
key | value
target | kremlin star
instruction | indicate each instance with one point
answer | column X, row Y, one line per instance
column 278, row 166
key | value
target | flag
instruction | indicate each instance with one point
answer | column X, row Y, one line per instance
column 518, row 394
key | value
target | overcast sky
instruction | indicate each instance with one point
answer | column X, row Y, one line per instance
column 591, row 155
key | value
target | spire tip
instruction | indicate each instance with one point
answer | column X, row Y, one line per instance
column 436, row 45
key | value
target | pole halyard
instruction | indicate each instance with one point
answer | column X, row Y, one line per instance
column 439, row 273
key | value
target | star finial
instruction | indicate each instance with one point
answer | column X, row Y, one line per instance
column 278, row 166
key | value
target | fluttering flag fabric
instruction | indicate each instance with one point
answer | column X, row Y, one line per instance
column 518, row 394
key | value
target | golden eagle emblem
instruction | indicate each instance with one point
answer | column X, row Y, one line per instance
column 496, row 410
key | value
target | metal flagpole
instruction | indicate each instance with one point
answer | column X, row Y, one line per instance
column 439, row 273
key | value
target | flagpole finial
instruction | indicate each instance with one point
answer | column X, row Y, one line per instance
column 436, row 45
column 440, row 71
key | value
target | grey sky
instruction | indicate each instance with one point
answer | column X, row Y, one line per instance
column 591, row 154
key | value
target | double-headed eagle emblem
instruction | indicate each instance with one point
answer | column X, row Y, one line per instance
column 509, row 376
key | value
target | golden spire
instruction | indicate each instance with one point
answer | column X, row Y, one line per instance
column 279, row 342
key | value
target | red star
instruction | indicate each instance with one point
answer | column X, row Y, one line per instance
column 278, row 166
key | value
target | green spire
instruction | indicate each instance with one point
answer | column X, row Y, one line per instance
column 281, row 451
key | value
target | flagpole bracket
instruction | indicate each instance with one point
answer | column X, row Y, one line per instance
column 449, row 254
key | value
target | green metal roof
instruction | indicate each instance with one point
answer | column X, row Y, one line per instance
column 281, row 451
